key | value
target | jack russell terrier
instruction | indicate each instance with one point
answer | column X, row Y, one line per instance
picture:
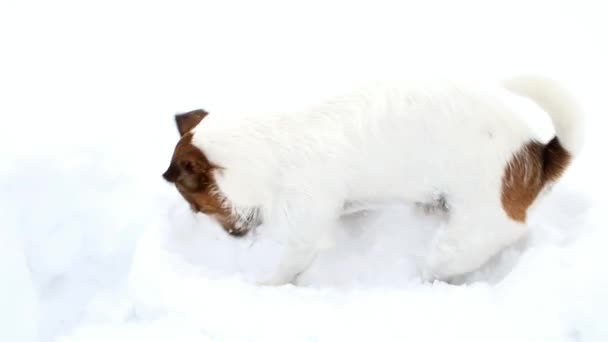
column 467, row 150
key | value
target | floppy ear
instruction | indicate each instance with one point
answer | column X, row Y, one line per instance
column 187, row 121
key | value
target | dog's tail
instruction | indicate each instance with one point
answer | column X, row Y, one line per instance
column 565, row 113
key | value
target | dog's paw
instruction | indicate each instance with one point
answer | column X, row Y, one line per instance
column 276, row 280
column 427, row 276
column 441, row 265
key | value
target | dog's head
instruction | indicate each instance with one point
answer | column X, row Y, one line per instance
column 194, row 178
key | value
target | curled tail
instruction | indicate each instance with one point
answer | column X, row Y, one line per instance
column 566, row 115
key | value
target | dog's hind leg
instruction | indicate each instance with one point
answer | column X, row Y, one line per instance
column 469, row 238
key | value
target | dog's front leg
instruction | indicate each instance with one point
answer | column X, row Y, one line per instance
column 296, row 258
column 306, row 232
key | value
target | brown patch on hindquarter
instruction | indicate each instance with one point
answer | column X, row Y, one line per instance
column 555, row 160
column 533, row 166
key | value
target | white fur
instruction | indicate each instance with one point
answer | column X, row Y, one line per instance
column 566, row 114
column 387, row 142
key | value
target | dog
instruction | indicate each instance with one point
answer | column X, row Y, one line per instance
column 467, row 150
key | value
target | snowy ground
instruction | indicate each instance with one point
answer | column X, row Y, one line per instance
column 94, row 246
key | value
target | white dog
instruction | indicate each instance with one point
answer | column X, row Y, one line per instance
column 467, row 150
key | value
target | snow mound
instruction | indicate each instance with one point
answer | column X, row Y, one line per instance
column 191, row 282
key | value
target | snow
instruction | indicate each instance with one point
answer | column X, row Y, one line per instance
column 95, row 246
column 19, row 322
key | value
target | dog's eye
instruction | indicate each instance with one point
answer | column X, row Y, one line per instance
column 187, row 166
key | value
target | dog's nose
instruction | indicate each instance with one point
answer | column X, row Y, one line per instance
column 171, row 174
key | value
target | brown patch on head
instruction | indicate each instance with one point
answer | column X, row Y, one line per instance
column 187, row 121
column 527, row 172
column 192, row 174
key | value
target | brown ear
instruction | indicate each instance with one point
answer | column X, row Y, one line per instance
column 187, row 121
